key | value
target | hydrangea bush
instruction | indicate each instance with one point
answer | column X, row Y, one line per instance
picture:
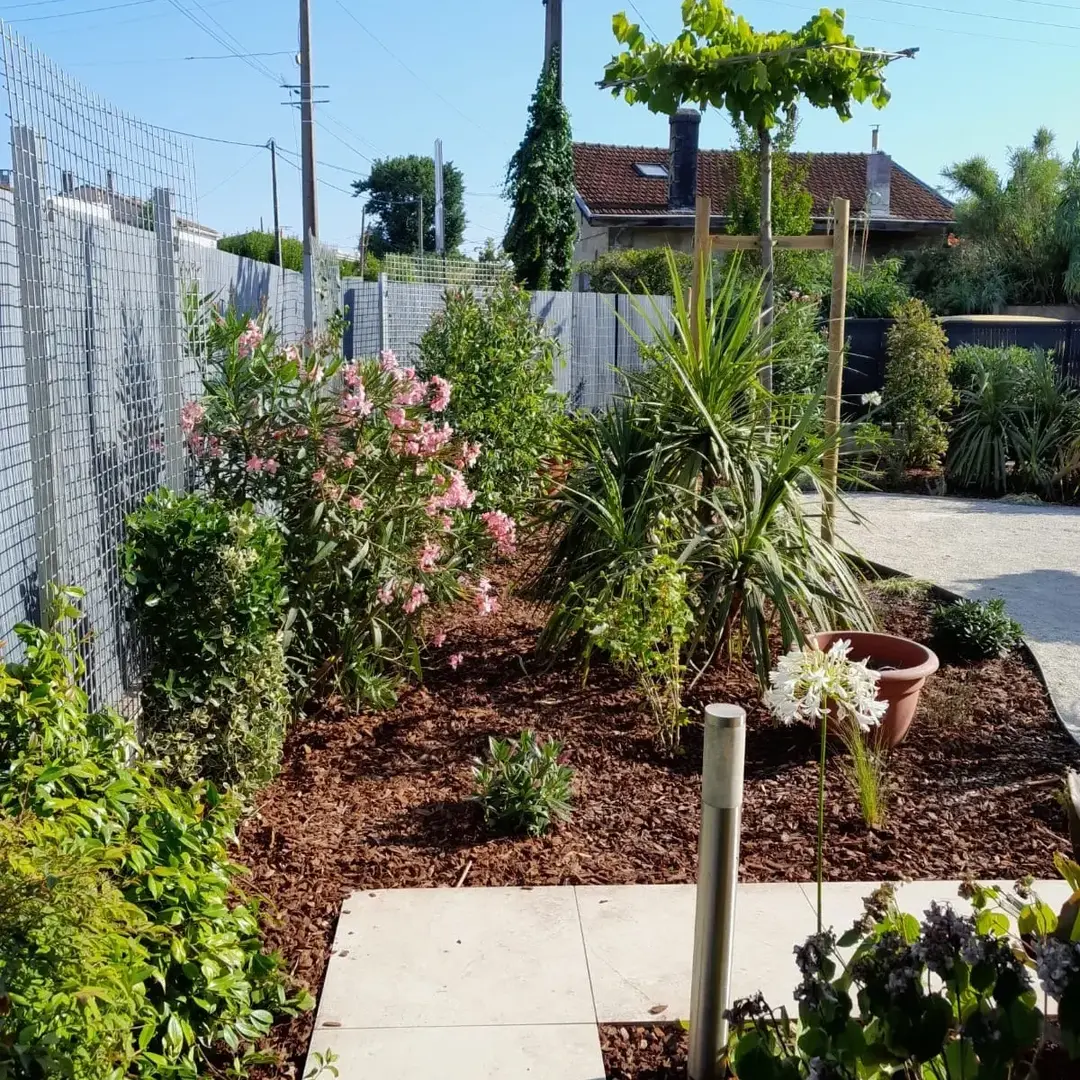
column 369, row 485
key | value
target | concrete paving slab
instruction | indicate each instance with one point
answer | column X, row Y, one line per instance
column 985, row 548
column 639, row 942
column 541, row 1052
column 457, row 957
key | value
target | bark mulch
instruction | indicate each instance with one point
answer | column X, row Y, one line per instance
column 658, row 1052
column 383, row 800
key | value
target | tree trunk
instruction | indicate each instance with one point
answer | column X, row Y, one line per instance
column 766, row 238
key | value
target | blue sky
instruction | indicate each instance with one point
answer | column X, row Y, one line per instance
column 402, row 74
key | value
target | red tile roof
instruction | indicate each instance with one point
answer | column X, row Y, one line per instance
column 609, row 184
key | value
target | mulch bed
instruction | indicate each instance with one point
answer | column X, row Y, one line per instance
column 382, row 800
column 658, row 1052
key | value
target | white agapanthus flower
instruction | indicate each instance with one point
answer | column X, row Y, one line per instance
column 807, row 681
column 873, row 398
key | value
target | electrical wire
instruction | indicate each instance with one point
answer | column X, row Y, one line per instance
column 84, row 11
column 286, row 156
column 978, row 15
column 423, row 82
column 648, row 26
column 237, row 50
column 206, row 138
column 232, row 175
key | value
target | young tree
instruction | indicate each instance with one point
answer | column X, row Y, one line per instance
column 540, row 184
column 757, row 76
column 791, row 200
column 395, row 187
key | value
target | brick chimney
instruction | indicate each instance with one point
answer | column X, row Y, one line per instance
column 683, row 159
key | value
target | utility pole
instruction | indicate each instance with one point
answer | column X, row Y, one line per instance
column 420, row 226
column 553, row 38
column 440, row 220
column 277, row 222
column 363, row 240
column 307, row 148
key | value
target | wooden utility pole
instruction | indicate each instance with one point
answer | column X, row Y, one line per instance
column 440, row 219
column 553, row 38
column 307, row 150
column 834, row 384
column 363, row 241
column 420, row 226
column 273, row 185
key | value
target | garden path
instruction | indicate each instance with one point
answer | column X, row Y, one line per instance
column 1028, row 555
column 488, row 984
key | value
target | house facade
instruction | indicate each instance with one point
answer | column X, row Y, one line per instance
column 643, row 196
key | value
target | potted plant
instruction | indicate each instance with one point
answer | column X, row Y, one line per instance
column 902, row 666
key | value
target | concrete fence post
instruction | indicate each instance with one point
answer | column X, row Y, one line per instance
column 28, row 170
column 718, row 877
column 384, row 315
column 170, row 343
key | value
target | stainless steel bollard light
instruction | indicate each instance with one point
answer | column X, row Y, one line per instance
column 718, row 877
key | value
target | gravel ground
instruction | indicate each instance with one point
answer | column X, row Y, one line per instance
column 1029, row 555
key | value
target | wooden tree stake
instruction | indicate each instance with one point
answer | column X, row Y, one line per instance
column 837, row 323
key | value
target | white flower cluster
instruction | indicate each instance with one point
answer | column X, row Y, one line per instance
column 807, row 681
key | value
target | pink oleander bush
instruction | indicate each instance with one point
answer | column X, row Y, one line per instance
column 369, row 485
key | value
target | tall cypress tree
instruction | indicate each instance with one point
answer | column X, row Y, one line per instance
column 540, row 183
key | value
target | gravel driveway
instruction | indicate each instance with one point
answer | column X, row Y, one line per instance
column 1029, row 555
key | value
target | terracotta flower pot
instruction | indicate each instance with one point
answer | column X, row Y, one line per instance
column 909, row 665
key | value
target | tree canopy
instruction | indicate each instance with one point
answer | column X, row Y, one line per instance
column 540, row 185
column 719, row 59
column 394, row 186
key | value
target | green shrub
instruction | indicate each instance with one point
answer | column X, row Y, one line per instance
column 367, row 481
column 800, row 349
column 262, row 247
column 522, row 786
column 72, row 993
column 961, row 278
column 917, row 395
column 637, row 270
column 208, row 600
column 500, row 363
column 198, row 960
column 975, row 629
column 642, row 621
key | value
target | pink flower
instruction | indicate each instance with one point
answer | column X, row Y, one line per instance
column 455, row 660
column 439, row 391
column 351, row 376
column 318, row 476
column 502, row 529
column 417, row 598
column 301, row 432
column 410, row 390
column 447, row 522
column 270, row 465
column 387, row 360
column 356, row 502
column 396, row 416
column 254, row 463
column 438, row 639
column 429, row 556
column 385, row 595
column 457, row 494
column 292, row 354
column 332, row 442
column 250, row 339
column 486, row 603
column 348, row 460
column 357, row 403
column 468, row 456
column 191, row 415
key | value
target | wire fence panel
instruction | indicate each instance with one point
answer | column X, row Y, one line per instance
column 98, row 205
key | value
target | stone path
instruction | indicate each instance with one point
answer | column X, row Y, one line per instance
column 491, row 984
column 1029, row 555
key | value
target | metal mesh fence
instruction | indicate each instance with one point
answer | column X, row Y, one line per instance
column 443, row 270
column 598, row 333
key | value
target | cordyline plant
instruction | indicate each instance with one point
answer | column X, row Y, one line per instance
column 759, row 77
column 369, row 488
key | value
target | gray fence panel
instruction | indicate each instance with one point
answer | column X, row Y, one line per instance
column 409, row 312
column 18, row 543
column 593, row 382
column 637, row 316
column 363, row 336
column 556, row 311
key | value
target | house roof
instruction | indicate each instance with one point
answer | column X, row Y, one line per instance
column 609, row 185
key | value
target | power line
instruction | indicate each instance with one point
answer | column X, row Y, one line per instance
column 206, row 138
column 287, row 158
column 84, row 11
column 979, row 15
column 390, row 52
column 126, row 62
column 935, row 29
column 643, row 19
column 232, row 175
column 236, row 48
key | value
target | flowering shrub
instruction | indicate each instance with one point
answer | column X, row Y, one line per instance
column 523, row 787
column 207, row 597
column 368, row 483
